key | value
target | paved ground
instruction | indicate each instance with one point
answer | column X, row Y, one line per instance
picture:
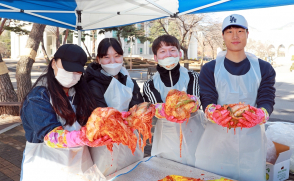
column 12, row 144
column 12, row 141
column 284, row 107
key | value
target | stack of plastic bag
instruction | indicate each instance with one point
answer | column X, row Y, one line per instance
column 271, row 154
column 283, row 133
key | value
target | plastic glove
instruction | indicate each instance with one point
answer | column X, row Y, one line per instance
column 124, row 115
column 160, row 113
column 197, row 100
column 259, row 116
column 209, row 110
column 99, row 142
column 159, row 110
column 221, row 116
column 215, row 116
column 60, row 138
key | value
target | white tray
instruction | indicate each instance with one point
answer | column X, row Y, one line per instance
column 155, row 168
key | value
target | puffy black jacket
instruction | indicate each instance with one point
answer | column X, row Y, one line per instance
column 152, row 95
column 98, row 84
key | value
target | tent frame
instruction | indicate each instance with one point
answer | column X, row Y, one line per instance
column 78, row 13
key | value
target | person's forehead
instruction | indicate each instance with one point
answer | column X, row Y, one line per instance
column 163, row 45
column 111, row 50
column 236, row 27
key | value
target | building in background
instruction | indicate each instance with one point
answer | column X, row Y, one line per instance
column 139, row 49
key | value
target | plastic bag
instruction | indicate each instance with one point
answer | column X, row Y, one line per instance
column 94, row 174
column 282, row 132
column 166, row 139
column 44, row 163
column 271, row 154
column 109, row 162
column 237, row 154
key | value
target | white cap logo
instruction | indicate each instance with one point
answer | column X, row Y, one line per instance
column 233, row 19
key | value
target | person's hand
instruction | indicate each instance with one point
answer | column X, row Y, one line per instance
column 256, row 115
column 98, row 142
column 160, row 113
column 159, row 110
column 197, row 102
column 125, row 114
column 215, row 115
column 210, row 109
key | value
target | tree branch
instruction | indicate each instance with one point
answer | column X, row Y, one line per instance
column 163, row 26
column 2, row 26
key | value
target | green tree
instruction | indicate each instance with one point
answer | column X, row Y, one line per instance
column 94, row 37
column 14, row 26
column 162, row 27
column 5, row 44
column 125, row 31
column 7, row 26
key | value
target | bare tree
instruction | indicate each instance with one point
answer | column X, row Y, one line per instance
column 7, row 93
column 184, row 25
column 65, row 36
column 57, row 38
column 93, row 42
column 259, row 48
column 3, row 21
column 24, row 65
column 55, row 31
column 44, row 50
column 210, row 36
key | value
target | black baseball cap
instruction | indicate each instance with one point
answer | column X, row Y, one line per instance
column 73, row 57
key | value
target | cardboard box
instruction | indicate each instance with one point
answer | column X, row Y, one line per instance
column 280, row 170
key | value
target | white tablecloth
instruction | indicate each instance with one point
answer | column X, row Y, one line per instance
column 154, row 168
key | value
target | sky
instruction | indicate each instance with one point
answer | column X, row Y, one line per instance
column 263, row 19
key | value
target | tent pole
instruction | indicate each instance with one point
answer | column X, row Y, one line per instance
column 79, row 37
column 79, row 27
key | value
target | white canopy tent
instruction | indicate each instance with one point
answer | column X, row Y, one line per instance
column 97, row 14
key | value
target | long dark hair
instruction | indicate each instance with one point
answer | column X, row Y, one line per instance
column 60, row 103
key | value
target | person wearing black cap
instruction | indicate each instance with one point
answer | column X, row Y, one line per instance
column 235, row 76
column 112, row 86
column 53, row 113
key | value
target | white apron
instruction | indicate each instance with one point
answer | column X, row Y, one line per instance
column 41, row 162
column 240, row 156
column 166, row 138
column 117, row 96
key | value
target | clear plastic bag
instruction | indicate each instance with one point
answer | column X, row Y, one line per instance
column 271, row 154
column 94, row 174
column 282, row 132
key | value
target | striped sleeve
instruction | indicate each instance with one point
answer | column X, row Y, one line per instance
column 150, row 94
column 193, row 86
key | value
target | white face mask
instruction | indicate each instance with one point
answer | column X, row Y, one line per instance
column 169, row 63
column 67, row 79
column 113, row 68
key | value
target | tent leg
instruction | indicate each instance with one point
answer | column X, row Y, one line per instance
column 79, row 37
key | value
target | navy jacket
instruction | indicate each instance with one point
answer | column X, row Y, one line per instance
column 37, row 115
column 266, row 91
column 98, row 84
